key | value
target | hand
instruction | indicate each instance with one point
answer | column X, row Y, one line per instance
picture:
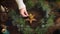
column 23, row 12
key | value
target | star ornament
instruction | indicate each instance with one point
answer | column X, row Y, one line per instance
column 31, row 18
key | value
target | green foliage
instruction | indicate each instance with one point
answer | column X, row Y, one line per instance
column 29, row 4
column 57, row 0
column 26, row 28
column 16, row 17
column 50, row 21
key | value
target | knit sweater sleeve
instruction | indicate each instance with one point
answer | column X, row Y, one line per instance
column 20, row 4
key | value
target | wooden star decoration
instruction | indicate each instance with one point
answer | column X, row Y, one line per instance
column 31, row 18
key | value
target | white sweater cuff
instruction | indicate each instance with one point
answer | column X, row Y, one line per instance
column 20, row 4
